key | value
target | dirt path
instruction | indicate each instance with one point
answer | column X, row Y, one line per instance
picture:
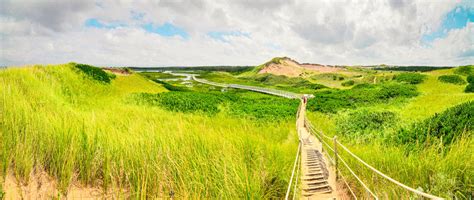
column 318, row 179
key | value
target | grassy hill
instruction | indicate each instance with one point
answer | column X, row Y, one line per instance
column 425, row 141
column 83, row 131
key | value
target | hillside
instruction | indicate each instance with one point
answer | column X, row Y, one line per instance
column 78, row 132
column 291, row 68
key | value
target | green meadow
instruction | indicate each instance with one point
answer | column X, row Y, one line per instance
column 82, row 128
column 150, row 138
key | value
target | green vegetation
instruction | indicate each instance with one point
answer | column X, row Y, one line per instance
column 94, row 73
column 424, row 142
column 411, row 68
column 411, row 78
column 363, row 123
column 293, row 84
column 470, row 87
column 159, row 75
column 171, row 87
column 454, row 79
column 182, row 101
column 465, row 70
column 200, row 69
column 447, row 126
column 360, row 95
column 348, row 83
column 80, row 131
column 284, row 81
column 239, row 104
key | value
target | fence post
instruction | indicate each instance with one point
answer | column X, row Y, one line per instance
column 335, row 156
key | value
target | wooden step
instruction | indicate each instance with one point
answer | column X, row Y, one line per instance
column 318, row 181
column 314, row 174
column 317, row 188
column 314, row 178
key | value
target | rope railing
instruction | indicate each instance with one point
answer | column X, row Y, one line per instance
column 293, row 171
column 320, row 135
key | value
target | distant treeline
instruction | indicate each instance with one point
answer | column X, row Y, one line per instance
column 201, row 68
column 411, row 68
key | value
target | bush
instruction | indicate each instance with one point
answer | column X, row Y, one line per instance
column 171, row 87
column 469, row 88
column 465, row 70
column 446, row 126
column 454, row 79
column 470, row 79
column 411, row 78
column 251, row 105
column 348, row 83
column 94, row 73
column 182, row 101
column 365, row 121
column 363, row 94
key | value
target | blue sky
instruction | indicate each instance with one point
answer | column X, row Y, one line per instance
column 167, row 29
column 457, row 18
column 224, row 35
column 95, row 23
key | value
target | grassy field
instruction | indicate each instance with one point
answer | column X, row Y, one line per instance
column 434, row 167
column 82, row 131
column 150, row 138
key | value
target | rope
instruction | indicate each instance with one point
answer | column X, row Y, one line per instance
column 387, row 177
column 347, row 184
column 297, row 175
column 357, row 177
column 293, row 173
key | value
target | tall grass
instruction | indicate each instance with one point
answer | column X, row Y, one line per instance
column 446, row 172
column 438, row 168
column 82, row 131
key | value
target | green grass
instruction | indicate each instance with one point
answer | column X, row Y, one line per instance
column 331, row 101
column 293, row 84
column 439, row 167
column 159, row 75
column 81, row 131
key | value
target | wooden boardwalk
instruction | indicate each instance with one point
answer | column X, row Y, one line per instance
column 318, row 179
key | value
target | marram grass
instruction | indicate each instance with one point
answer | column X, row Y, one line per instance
column 82, row 131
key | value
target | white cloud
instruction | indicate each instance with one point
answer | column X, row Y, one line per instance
column 321, row 31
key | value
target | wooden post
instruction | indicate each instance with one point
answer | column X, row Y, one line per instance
column 335, row 156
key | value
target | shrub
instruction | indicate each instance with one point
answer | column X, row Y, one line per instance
column 465, row 70
column 171, row 87
column 267, row 108
column 365, row 121
column 454, row 79
column 411, row 78
column 469, row 88
column 182, row 101
column 359, row 95
column 470, row 79
column 348, row 83
column 94, row 73
column 251, row 105
column 446, row 126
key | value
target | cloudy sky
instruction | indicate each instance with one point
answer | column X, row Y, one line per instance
column 236, row 32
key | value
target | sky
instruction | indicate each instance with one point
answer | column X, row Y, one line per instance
column 236, row 32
